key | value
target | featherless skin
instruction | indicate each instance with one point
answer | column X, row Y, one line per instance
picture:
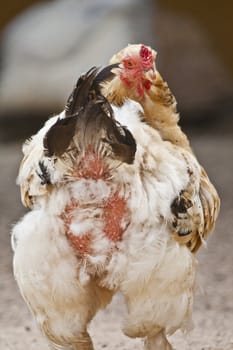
column 104, row 187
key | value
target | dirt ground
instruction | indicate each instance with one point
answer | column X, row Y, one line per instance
column 213, row 309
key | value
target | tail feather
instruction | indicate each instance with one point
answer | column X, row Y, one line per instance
column 90, row 120
column 58, row 137
column 81, row 93
column 88, row 87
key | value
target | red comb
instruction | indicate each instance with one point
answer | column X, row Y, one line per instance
column 145, row 53
column 147, row 57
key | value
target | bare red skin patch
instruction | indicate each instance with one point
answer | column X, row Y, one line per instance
column 81, row 243
column 115, row 210
column 91, row 166
column 147, row 84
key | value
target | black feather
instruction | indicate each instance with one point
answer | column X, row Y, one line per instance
column 59, row 136
column 87, row 88
column 104, row 75
column 44, row 174
column 95, row 123
column 90, row 117
column 81, row 93
column 126, row 145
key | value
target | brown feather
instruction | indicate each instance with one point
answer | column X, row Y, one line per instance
column 195, row 218
column 59, row 136
column 95, row 127
column 89, row 118
column 87, row 88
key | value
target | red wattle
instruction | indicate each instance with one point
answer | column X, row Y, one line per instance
column 147, row 84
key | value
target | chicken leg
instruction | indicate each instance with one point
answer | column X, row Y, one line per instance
column 157, row 342
column 84, row 342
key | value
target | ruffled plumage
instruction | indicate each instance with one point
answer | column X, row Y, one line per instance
column 108, row 198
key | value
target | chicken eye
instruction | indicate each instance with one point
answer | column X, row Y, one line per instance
column 128, row 64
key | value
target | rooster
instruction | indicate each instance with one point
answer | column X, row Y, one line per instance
column 103, row 187
column 137, row 78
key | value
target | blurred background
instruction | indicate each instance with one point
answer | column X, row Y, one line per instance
column 44, row 47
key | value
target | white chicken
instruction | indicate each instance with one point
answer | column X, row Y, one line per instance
column 101, row 184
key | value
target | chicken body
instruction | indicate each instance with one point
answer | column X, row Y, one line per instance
column 93, row 236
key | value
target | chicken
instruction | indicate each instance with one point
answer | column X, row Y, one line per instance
column 102, row 186
column 137, row 78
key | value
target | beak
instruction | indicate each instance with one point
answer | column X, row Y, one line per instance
column 117, row 66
